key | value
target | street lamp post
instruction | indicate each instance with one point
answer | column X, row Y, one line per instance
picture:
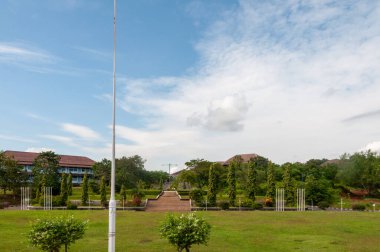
column 112, row 203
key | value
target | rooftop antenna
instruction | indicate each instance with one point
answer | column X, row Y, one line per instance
column 112, row 203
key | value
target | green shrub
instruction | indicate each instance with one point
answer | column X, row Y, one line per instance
column 246, row 203
column 51, row 234
column 136, row 193
column 197, row 196
column 94, row 186
column 323, row 205
column 358, row 207
column 56, row 201
column 183, row 192
column 185, row 230
column 71, row 206
column 224, row 205
column 257, row 205
column 151, row 192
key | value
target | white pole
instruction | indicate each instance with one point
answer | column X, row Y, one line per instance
column 341, row 204
column 112, row 203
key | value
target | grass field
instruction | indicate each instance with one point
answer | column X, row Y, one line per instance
column 231, row 231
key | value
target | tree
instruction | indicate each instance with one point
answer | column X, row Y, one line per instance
column 47, row 164
column 231, row 179
column 64, row 193
column 85, row 190
column 12, row 175
column 70, row 185
column 42, row 186
column 288, row 185
column 123, row 193
column 271, row 185
column 103, row 193
column 102, row 169
column 51, row 234
column 129, row 170
column 212, row 185
column 198, row 172
column 185, row 230
column 318, row 190
column 252, row 180
column 38, row 193
column 360, row 170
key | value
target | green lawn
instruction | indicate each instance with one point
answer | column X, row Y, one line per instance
column 231, row 231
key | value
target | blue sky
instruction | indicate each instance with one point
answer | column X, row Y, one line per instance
column 289, row 80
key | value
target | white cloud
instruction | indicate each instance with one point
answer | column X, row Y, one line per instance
column 38, row 149
column 20, row 53
column 374, row 146
column 62, row 139
column 277, row 79
column 16, row 138
column 81, row 131
column 225, row 114
column 94, row 52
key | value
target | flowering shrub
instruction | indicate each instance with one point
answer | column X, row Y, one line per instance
column 268, row 202
column 185, row 230
column 51, row 234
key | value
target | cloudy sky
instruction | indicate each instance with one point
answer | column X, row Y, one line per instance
column 289, row 80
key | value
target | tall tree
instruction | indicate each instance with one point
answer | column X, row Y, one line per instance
column 102, row 169
column 103, row 193
column 70, row 185
column 212, row 185
column 47, row 164
column 288, row 185
column 123, row 193
column 231, row 179
column 42, row 185
column 318, row 190
column 271, row 184
column 198, row 170
column 12, row 175
column 129, row 170
column 361, row 170
column 252, row 180
column 38, row 193
column 64, row 194
column 85, row 190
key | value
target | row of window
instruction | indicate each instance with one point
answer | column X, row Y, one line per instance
column 75, row 170
column 29, row 168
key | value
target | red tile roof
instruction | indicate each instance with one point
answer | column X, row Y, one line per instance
column 27, row 158
column 245, row 158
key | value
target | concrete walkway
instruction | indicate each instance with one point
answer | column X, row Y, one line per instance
column 169, row 201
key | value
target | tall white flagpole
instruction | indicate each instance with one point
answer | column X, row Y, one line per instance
column 112, row 203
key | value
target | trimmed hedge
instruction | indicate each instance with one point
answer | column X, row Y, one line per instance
column 224, row 205
column 358, row 207
column 323, row 205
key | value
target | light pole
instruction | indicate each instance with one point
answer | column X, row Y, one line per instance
column 112, row 203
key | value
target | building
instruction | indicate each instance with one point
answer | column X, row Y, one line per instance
column 76, row 165
column 245, row 158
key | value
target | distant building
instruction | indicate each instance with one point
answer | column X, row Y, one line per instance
column 76, row 165
column 244, row 157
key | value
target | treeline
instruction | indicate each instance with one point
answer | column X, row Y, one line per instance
column 323, row 180
column 130, row 173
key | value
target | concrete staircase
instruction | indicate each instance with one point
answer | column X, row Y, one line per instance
column 168, row 201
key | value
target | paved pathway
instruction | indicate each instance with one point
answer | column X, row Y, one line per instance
column 168, row 202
